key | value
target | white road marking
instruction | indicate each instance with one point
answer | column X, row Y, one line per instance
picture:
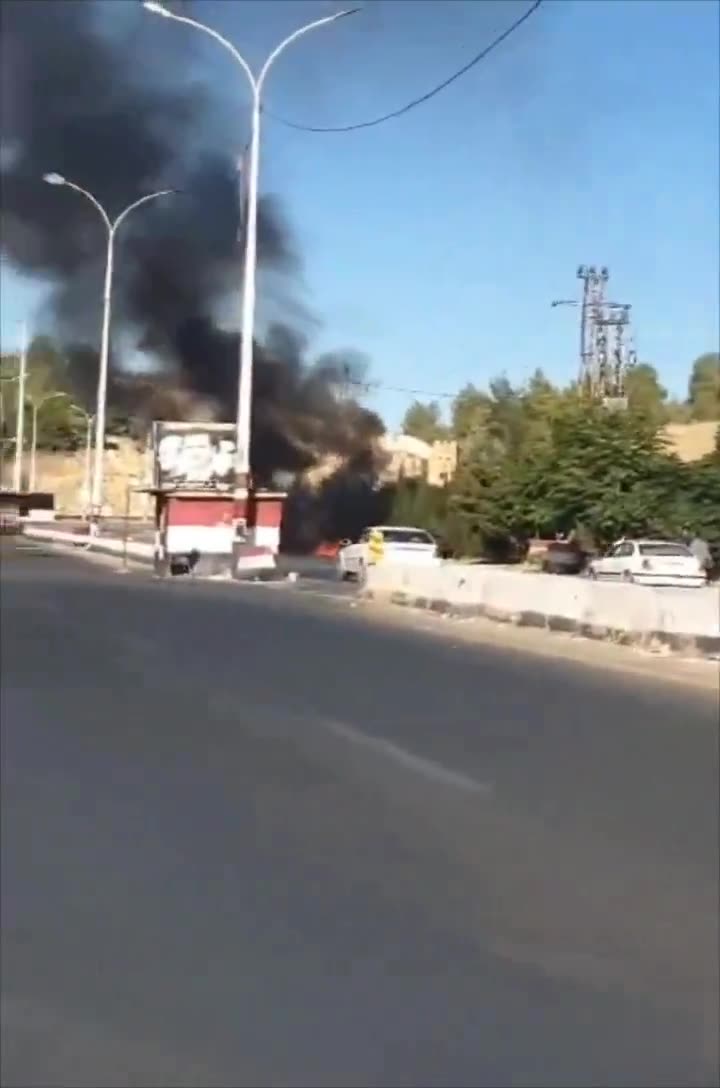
column 301, row 588
column 426, row 768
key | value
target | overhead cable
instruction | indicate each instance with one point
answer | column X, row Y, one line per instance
column 424, row 97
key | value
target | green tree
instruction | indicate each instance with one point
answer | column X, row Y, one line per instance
column 677, row 411
column 701, row 489
column 471, row 411
column 645, row 393
column 537, row 460
column 540, row 401
column 704, row 387
column 594, row 471
column 424, row 421
column 47, row 385
column 416, row 503
column 508, row 417
column 482, row 515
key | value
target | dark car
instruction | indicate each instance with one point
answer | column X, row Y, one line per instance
column 563, row 557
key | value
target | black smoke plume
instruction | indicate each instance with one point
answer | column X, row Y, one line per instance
column 93, row 92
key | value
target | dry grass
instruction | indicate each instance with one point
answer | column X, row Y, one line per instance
column 691, row 441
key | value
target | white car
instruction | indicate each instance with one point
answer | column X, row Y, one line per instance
column 649, row 563
column 387, row 543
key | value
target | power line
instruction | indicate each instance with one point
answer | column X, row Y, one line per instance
column 423, row 98
column 371, row 387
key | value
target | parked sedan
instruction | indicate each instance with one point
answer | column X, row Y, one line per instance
column 649, row 563
column 382, row 543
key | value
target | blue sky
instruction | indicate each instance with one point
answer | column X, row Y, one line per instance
column 435, row 243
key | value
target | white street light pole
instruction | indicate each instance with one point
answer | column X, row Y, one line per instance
column 20, row 425
column 36, row 405
column 112, row 226
column 247, row 326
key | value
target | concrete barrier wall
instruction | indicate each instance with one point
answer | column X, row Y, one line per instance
column 681, row 619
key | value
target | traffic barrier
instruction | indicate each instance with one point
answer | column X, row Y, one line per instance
column 250, row 560
column 134, row 549
column 681, row 620
column 253, row 561
column 38, row 516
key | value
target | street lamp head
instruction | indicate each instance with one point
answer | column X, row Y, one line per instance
column 337, row 15
column 156, row 8
column 54, row 179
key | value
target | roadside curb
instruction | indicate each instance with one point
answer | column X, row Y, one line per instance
column 658, row 642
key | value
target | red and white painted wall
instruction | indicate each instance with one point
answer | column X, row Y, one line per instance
column 265, row 510
column 201, row 524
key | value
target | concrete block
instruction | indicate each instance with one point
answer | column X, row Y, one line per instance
column 663, row 620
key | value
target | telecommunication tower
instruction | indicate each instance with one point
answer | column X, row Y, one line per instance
column 606, row 354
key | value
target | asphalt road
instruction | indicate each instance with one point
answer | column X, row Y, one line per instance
column 251, row 837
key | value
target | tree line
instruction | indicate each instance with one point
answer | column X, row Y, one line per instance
column 645, row 393
column 54, row 383
column 533, row 460
column 538, row 460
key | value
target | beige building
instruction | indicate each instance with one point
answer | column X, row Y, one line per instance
column 443, row 462
column 406, row 457
column 410, row 458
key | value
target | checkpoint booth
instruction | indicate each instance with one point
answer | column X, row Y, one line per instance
column 204, row 523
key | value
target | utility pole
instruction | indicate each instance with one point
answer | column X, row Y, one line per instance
column 582, row 273
column 592, row 345
column 20, row 425
column 602, row 366
column 616, row 360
